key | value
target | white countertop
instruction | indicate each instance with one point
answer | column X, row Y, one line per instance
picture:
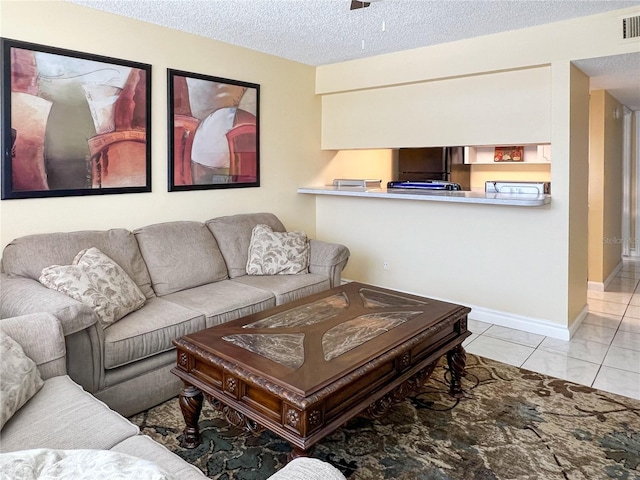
column 481, row 197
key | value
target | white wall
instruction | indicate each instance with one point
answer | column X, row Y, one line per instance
column 290, row 123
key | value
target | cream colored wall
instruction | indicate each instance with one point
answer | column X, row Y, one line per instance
column 485, row 109
column 362, row 164
column 596, row 186
column 499, row 260
column 634, row 240
column 613, row 186
column 289, row 123
column 605, row 186
column 578, row 221
column 481, row 255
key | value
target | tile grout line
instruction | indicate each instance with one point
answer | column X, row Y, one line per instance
column 627, row 304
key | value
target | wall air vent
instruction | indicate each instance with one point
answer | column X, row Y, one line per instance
column 631, row 27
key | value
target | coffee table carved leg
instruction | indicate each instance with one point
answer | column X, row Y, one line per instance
column 457, row 359
column 191, row 405
column 296, row 453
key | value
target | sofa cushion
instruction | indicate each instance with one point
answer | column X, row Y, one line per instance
column 20, row 379
column 224, row 301
column 27, row 256
column 277, row 253
column 233, row 234
column 79, row 420
column 144, row 447
column 180, row 255
column 81, row 464
column 287, row 288
column 148, row 331
column 96, row 280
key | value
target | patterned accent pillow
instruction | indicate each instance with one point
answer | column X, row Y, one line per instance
column 81, row 464
column 277, row 253
column 98, row 281
column 20, row 379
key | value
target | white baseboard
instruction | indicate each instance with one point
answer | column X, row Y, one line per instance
column 579, row 319
column 602, row 286
column 595, row 286
column 526, row 324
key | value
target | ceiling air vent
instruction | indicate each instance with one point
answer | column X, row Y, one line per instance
column 631, row 27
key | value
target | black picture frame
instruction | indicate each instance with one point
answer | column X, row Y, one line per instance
column 73, row 123
column 214, row 132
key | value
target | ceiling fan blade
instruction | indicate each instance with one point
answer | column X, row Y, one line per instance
column 355, row 4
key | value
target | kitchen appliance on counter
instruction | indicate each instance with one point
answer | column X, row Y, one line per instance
column 434, row 163
column 514, row 187
column 424, row 185
column 356, row 182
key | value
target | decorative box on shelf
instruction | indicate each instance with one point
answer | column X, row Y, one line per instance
column 508, row 155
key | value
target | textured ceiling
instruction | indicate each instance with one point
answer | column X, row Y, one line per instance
column 318, row 32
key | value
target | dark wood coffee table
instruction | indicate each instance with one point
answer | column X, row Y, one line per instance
column 303, row 369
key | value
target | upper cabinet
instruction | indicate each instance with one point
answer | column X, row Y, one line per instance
column 508, row 155
column 499, row 108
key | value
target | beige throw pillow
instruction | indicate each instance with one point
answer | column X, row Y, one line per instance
column 20, row 379
column 98, row 281
column 277, row 253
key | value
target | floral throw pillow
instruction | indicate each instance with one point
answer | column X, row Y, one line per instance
column 98, row 281
column 20, row 379
column 277, row 253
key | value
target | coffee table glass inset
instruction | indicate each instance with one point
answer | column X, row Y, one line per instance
column 304, row 368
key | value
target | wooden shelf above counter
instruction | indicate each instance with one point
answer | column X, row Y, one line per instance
column 475, row 197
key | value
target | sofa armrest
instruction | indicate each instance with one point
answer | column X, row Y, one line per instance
column 42, row 340
column 83, row 337
column 304, row 468
column 328, row 259
column 21, row 296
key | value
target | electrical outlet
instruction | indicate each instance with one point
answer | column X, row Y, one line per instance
column 385, row 265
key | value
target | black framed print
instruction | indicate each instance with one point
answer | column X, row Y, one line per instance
column 214, row 139
column 73, row 123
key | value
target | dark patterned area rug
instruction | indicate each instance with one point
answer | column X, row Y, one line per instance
column 511, row 424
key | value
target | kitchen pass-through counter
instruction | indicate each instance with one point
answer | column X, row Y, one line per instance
column 474, row 196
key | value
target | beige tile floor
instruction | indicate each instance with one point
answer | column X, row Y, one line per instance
column 603, row 353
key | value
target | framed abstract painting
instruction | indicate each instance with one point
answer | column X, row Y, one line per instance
column 213, row 132
column 73, row 123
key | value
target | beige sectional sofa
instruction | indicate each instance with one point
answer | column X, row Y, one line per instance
column 61, row 424
column 192, row 276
